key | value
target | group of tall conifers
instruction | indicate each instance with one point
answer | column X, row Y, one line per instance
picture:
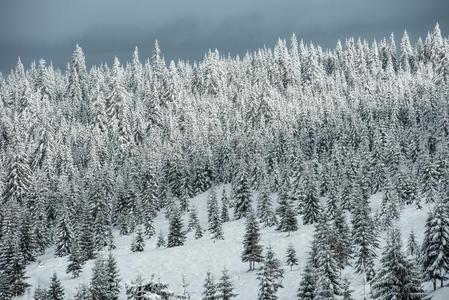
column 84, row 151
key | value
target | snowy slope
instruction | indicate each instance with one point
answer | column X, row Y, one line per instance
column 197, row 256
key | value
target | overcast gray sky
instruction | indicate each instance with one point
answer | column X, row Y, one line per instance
column 186, row 29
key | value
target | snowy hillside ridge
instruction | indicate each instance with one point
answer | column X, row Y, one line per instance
column 198, row 256
column 290, row 173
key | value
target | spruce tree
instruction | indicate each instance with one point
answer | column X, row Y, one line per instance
column 307, row 286
column 252, row 251
column 138, row 243
column 224, row 207
column 225, row 288
column 241, row 194
column 215, row 226
column 435, row 247
column 412, row 245
column 210, row 289
column 193, row 219
column 55, row 290
column 291, row 260
column 288, row 221
column 161, row 240
column 310, row 202
column 98, row 283
column 75, row 265
column 12, row 268
column 397, row 277
column 265, row 210
column 346, row 292
column 176, row 235
column 112, row 278
column 270, row 276
column 63, row 236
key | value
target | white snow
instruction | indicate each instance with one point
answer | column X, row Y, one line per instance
column 197, row 256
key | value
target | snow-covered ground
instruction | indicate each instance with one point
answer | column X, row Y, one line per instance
column 197, row 256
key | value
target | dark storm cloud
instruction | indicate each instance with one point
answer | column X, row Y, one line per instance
column 186, row 29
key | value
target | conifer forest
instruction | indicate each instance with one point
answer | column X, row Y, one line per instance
column 290, row 172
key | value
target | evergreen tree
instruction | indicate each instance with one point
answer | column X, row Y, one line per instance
column 291, row 257
column 341, row 239
column 160, row 240
column 265, row 208
column 176, row 235
column 193, row 219
column 412, row 245
column 307, row 286
column 55, row 290
column 63, row 237
column 210, row 289
column 252, row 251
column 215, row 226
column 138, row 244
column 224, row 207
column 225, row 288
column 98, row 283
column 241, row 194
column 346, row 293
column 12, row 269
column 397, row 278
column 112, row 278
column 310, row 202
column 75, row 265
column 270, row 276
column 288, row 221
column 435, row 247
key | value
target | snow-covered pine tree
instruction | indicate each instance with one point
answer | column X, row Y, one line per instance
column 63, row 236
column 161, row 240
column 98, row 283
column 265, row 210
column 138, row 243
column 341, row 239
column 270, row 276
column 291, row 260
column 193, row 219
column 307, row 289
column 112, row 278
column 210, row 289
column 241, row 194
column 225, row 288
column 435, row 247
column 346, row 290
column 310, row 202
column 412, row 245
column 288, row 222
column 55, row 290
column 397, row 277
column 364, row 238
column 176, row 234
column 252, row 251
column 12, row 269
column 215, row 225
column 75, row 265
column 224, row 215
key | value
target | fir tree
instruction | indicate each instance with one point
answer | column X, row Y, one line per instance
column 138, row 244
column 55, row 290
column 241, row 195
column 98, row 283
column 346, row 293
column 397, row 278
column 63, row 237
column 176, row 235
column 310, row 202
column 112, row 278
column 12, row 269
column 210, row 289
column 270, row 276
column 435, row 247
column 75, row 265
column 225, row 288
column 412, row 245
column 291, row 257
column 160, row 240
column 215, row 226
column 307, row 286
column 265, row 210
column 252, row 251
column 224, row 207
column 288, row 221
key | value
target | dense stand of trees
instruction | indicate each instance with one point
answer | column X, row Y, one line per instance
column 83, row 151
